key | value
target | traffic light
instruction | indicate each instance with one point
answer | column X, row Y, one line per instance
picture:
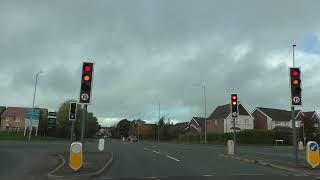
column 295, row 83
column 86, row 83
column 73, row 111
column 234, row 105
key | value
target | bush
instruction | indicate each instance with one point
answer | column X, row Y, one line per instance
column 243, row 137
column 284, row 133
column 256, row 137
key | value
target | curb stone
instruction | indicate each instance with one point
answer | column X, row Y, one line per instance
column 267, row 164
column 50, row 176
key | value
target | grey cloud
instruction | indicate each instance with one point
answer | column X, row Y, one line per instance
column 147, row 52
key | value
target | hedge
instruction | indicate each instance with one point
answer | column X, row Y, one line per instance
column 243, row 137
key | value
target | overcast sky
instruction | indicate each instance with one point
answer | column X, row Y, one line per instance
column 146, row 52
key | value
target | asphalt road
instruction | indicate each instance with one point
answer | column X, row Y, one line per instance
column 144, row 160
column 21, row 160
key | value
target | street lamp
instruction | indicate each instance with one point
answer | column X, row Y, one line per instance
column 34, row 97
column 205, row 109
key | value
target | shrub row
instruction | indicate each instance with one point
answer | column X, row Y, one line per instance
column 244, row 137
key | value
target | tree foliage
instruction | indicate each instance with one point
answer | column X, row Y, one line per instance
column 63, row 125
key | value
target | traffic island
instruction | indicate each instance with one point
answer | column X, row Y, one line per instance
column 93, row 165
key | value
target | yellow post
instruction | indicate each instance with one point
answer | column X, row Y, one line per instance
column 312, row 152
column 76, row 156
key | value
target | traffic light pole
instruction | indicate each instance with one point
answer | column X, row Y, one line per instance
column 295, row 150
column 72, row 131
column 84, row 118
column 234, row 135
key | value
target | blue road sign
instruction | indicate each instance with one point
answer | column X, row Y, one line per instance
column 33, row 113
column 313, row 147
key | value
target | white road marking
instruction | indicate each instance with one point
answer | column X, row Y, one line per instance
column 147, row 177
column 156, row 152
column 207, row 175
column 173, row 158
column 147, row 149
column 248, row 174
column 317, row 177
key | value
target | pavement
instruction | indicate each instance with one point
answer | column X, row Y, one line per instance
column 149, row 160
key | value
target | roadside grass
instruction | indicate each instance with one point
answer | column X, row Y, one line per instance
column 19, row 137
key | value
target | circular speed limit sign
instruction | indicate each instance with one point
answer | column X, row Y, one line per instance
column 84, row 96
column 296, row 99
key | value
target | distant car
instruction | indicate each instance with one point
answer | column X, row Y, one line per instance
column 134, row 138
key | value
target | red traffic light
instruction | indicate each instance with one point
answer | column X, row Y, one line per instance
column 234, row 97
column 295, row 73
column 87, row 68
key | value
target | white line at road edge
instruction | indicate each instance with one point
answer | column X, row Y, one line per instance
column 173, row 158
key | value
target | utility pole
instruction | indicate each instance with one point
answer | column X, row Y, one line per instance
column 295, row 150
column 304, row 139
column 159, row 125
column 205, row 114
column 138, row 125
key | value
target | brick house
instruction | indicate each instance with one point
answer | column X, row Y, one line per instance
column 196, row 125
column 269, row 118
column 313, row 116
column 13, row 118
column 2, row 108
column 221, row 120
column 181, row 126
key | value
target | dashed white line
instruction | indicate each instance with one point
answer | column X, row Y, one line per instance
column 248, row 174
column 156, row 152
column 207, row 175
column 173, row 158
column 147, row 177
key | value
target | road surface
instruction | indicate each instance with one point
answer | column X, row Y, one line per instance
column 145, row 160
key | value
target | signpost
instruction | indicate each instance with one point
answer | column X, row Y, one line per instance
column 312, row 152
column 52, row 117
column 76, row 156
column 32, row 120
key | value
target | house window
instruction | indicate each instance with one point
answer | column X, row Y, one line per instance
column 246, row 121
column 237, row 122
column 18, row 119
column 278, row 122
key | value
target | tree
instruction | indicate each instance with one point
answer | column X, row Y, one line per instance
column 123, row 128
column 146, row 131
column 43, row 122
column 309, row 129
column 63, row 125
column 92, row 125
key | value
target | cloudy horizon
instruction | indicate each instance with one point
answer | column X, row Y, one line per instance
column 151, row 52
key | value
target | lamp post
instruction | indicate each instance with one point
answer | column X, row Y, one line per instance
column 205, row 109
column 34, row 98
